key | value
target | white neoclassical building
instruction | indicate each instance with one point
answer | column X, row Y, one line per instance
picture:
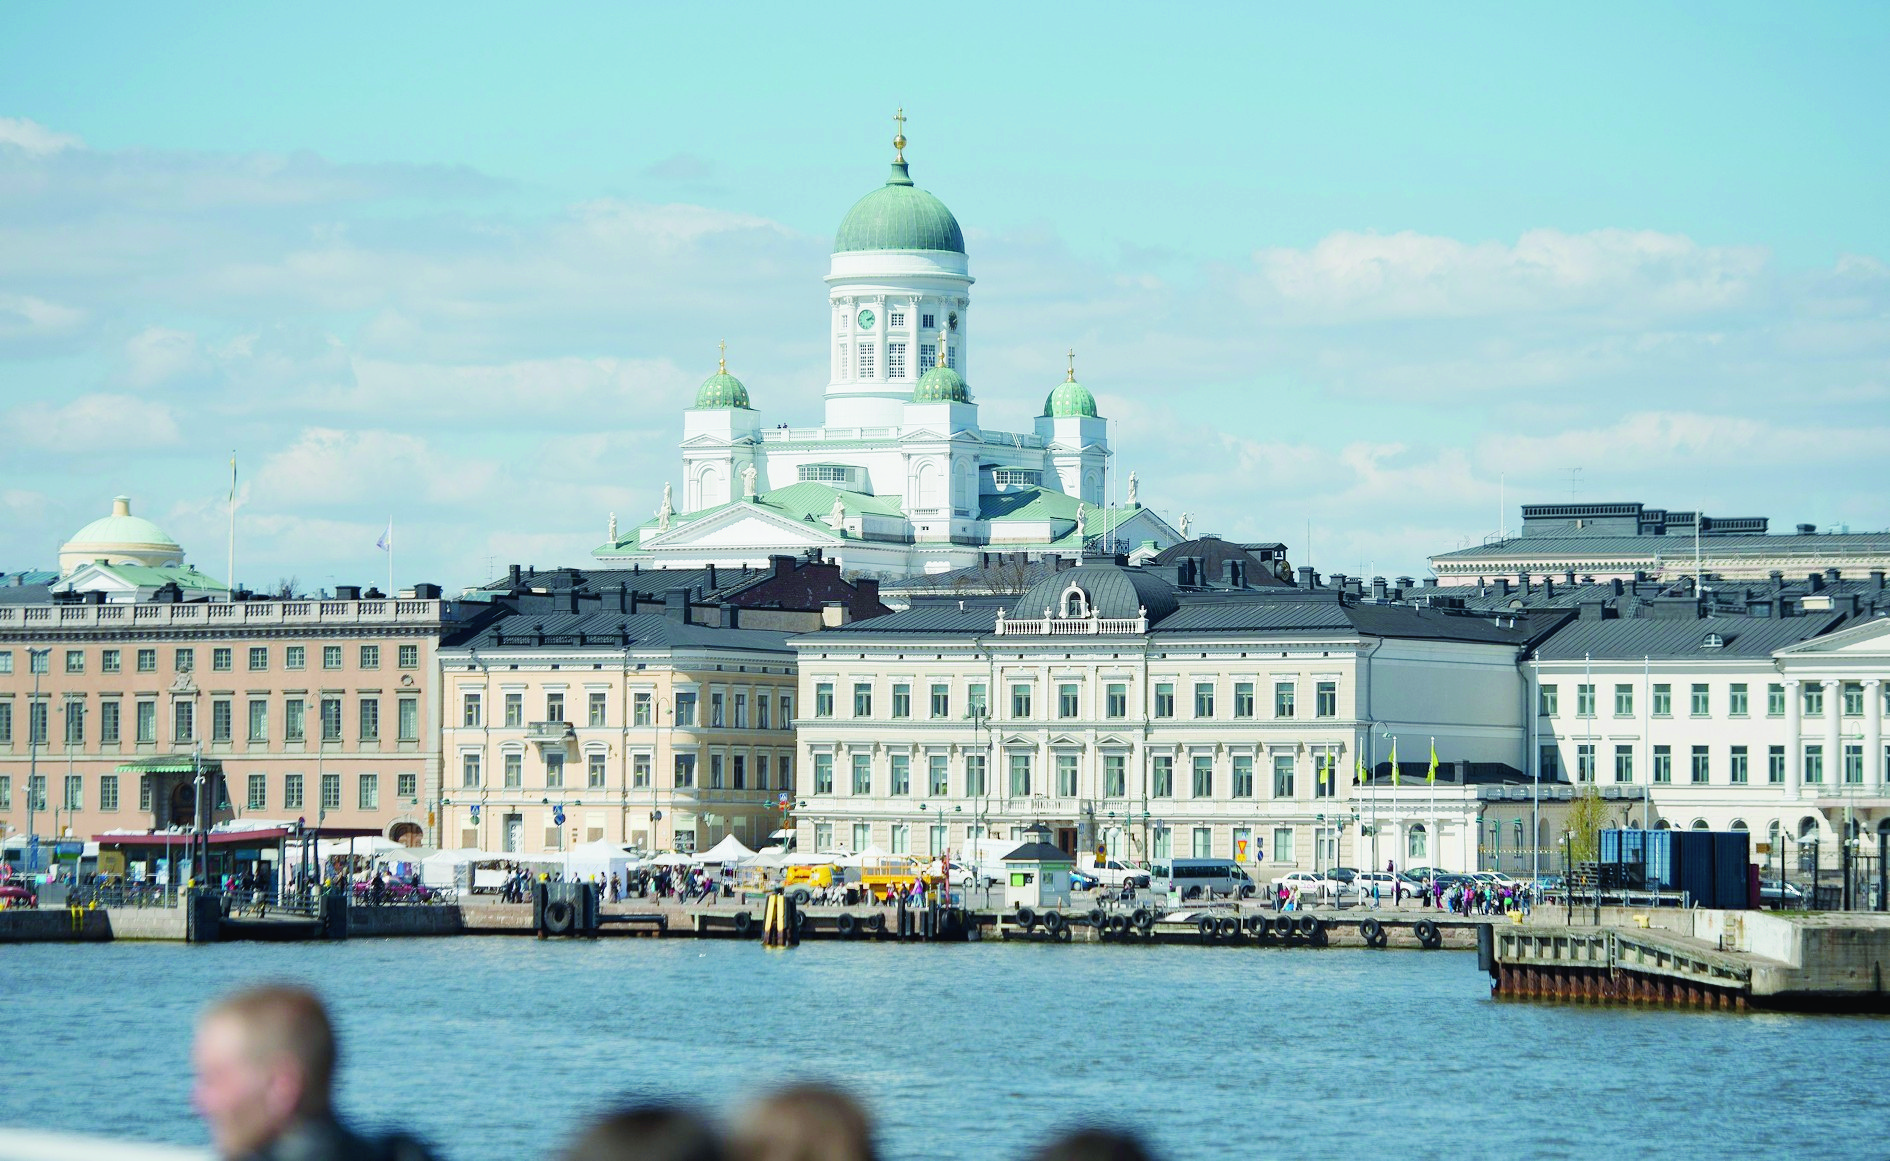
column 900, row 476
column 1118, row 708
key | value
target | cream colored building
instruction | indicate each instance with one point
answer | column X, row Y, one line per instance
column 1119, row 710
column 637, row 725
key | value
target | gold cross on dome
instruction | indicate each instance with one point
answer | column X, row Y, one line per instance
column 899, row 135
column 1072, row 377
column 722, row 346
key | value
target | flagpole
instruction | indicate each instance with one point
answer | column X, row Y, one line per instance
column 229, row 578
column 390, row 558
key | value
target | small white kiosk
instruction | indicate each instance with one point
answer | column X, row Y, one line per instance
column 1037, row 875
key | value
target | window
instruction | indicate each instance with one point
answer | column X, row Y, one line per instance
column 862, row 835
column 1585, row 762
column 554, row 770
column 1282, row 699
column 1814, row 700
column 787, row 711
column 941, row 700
column 901, row 774
column 640, row 766
column 598, row 703
column 686, row 710
column 1067, row 699
column 642, row 709
column 108, row 792
column 823, row 773
column 823, row 836
column 407, row 785
column 75, row 792
column 1203, row 842
column 6, row 666
column 370, row 656
column 36, row 723
column 221, row 659
column 1283, row 844
column 862, row 700
column 901, row 839
column 1624, row 763
column 469, row 715
column 37, row 660
column 75, row 660
column 512, row 769
column 975, row 783
column 1624, row 701
column 110, row 661
column 1701, row 765
column 147, row 721
column 1853, row 699
column 1066, row 775
column 370, row 719
column 331, row 792
column 331, row 657
column 862, row 774
column 866, row 361
column 1116, row 699
column 936, row 783
column 1775, row 700
column 761, row 711
column 895, row 360
column 293, row 712
column 409, row 719
column 1584, row 700
column 1549, row 762
column 1546, row 701
column 409, row 657
column 1282, row 776
column 1326, row 784
column 718, row 705
column 594, row 771
column 291, row 792
column 741, row 711
column 1853, row 764
column 1327, row 703
column 368, row 796
column 258, row 657
column 185, row 660
column 1700, row 703
column 295, row 657
column 183, row 721
column 1020, row 701
column 36, row 792
column 1164, row 699
column 1243, row 699
column 554, row 707
column 108, row 722
column 1814, row 764
column 1162, row 776
column 1736, row 701
column 928, row 322
column 1020, row 775
column 976, row 703
column 75, row 721
column 761, row 772
column 1738, row 767
column 1416, row 843
column 514, row 711
column 6, row 722
column 221, row 713
column 1203, row 782
column 331, row 719
column 1243, row 775
column 1115, row 776
column 1775, row 764
column 901, row 700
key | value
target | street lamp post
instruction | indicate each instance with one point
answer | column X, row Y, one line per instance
column 35, row 658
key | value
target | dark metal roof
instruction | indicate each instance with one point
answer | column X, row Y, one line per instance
column 1674, row 548
column 1113, row 590
column 1616, row 639
column 592, row 629
column 936, row 617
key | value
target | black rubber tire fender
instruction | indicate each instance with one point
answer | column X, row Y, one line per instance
column 559, row 915
column 1026, row 918
column 1097, row 917
column 1261, row 926
column 1207, row 927
column 1309, row 926
column 845, row 924
column 876, row 923
column 801, row 896
column 1427, row 934
column 1373, row 932
column 743, row 921
column 1228, row 928
column 1061, row 934
column 1119, row 926
column 1054, row 923
column 800, row 919
column 1144, row 919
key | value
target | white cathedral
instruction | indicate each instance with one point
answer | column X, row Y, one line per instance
column 899, row 478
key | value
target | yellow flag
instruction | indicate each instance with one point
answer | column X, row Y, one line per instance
column 1432, row 776
column 1358, row 778
column 1396, row 780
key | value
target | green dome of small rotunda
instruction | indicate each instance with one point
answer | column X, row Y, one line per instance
column 941, row 385
column 722, row 389
column 899, row 216
column 1070, row 399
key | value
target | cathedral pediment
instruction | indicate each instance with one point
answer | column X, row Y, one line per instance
column 744, row 525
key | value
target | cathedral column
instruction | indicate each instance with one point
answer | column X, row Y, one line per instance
column 1833, row 733
column 1794, row 740
column 1873, row 734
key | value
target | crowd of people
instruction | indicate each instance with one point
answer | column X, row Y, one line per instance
column 265, row 1058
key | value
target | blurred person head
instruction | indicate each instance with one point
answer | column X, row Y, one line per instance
column 806, row 1122
column 1094, row 1143
column 264, row 1061
column 648, row 1132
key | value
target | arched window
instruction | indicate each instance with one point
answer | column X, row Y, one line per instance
column 1738, row 824
column 1700, row 824
column 1661, row 824
column 1884, row 826
column 1808, row 827
column 1073, row 603
column 1416, row 845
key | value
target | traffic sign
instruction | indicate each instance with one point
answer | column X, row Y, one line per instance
column 557, row 815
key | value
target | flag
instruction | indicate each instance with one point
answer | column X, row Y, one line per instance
column 1358, row 778
column 386, row 542
column 1432, row 776
column 1395, row 780
column 1325, row 771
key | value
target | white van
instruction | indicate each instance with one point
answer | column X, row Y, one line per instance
column 1113, row 873
column 1202, row 878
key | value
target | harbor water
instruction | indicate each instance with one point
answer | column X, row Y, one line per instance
column 495, row 1047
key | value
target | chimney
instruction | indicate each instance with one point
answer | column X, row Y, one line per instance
column 781, row 564
column 710, row 585
column 730, row 619
column 866, row 599
column 1592, row 610
column 1548, row 587
column 511, row 577
column 834, row 614
column 1807, row 530
column 1568, row 578
column 1379, row 590
column 1816, row 581
column 1306, row 577
column 1876, row 579
column 1614, row 586
column 1404, row 582
column 676, row 605
column 1502, row 586
column 1230, row 572
column 425, row 591
column 1338, row 581
column 347, row 592
column 1355, row 585
column 1522, row 581
column 1832, row 576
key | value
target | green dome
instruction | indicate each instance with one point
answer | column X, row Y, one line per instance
column 1070, row 399
column 722, row 390
column 899, row 216
column 941, row 385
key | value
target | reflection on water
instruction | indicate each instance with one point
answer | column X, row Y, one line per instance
column 497, row 1047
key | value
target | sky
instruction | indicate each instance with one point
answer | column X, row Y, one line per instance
column 1375, row 275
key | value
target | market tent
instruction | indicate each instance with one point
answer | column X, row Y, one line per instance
column 670, row 859
column 872, row 854
column 599, row 858
column 772, row 858
column 730, row 850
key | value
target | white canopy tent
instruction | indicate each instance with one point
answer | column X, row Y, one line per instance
column 600, row 858
column 731, row 851
column 872, row 854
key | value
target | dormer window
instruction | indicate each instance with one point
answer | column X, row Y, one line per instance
column 1016, row 477
column 1073, row 604
column 1713, row 641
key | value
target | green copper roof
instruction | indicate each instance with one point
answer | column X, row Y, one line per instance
column 942, row 385
column 1070, row 399
column 899, row 216
column 722, row 390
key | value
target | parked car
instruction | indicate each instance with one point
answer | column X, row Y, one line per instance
column 1773, row 893
column 1079, row 881
column 1343, row 874
column 1311, row 884
column 1201, row 878
column 1113, row 873
column 1390, row 886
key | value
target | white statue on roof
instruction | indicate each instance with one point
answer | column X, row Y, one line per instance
column 1082, row 520
column 613, row 528
column 748, row 482
column 837, row 515
column 665, row 512
column 1182, row 524
column 1132, row 485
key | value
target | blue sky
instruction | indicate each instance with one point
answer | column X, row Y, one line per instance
column 1359, row 268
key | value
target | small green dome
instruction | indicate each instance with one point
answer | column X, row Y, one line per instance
column 941, row 385
column 899, row 216
column 722, row 390
column 1070, row 399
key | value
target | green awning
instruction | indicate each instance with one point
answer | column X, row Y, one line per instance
column 170, row 764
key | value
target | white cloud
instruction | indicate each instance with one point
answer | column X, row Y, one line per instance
column 326, row 468
column 32, row 137
column 157, row 355
column 120, row 425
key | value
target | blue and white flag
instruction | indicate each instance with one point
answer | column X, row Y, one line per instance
column 386, row 542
